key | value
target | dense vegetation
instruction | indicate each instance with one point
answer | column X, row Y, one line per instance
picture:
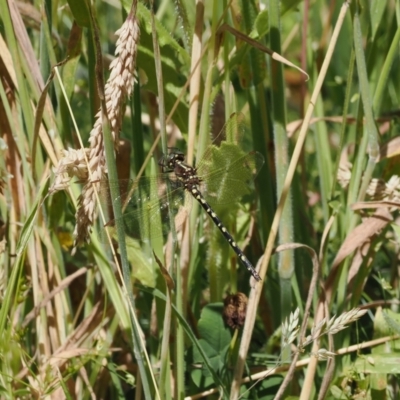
column 112, row 305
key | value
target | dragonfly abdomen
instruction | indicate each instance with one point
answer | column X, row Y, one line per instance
column 203, row 202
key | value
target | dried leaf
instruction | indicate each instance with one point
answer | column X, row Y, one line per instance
column 362, row 233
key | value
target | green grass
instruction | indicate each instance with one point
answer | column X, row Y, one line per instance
column 150, row 320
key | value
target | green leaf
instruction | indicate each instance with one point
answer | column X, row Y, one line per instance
column 377, row 9
column 80, row 12
column 264, row 390
column 392, row 320
column 212, row 327
column 175, row 62
column 383, row 363
column 202, row 377
column 141, row 267
column 214, row 341
column 196, row 343
column 29, row 224
column 396, row 229
column 261, row 24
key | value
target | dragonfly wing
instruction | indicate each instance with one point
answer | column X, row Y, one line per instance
column 147, row 210
column 233, row 178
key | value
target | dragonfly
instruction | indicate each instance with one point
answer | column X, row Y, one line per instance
column 222, row 176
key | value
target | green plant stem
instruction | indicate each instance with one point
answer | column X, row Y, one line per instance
column 286, row 260
column 381, row 87
column 371, row 131
column 138, row 350
column 215, row 283
column 369, row 141
column 343, row 127
column 179, row 344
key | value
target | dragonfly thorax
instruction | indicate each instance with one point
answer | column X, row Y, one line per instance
column 184, row 173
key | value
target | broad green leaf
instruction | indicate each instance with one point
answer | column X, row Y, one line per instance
column 212, row 327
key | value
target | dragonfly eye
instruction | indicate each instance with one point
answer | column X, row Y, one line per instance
column 178, row 156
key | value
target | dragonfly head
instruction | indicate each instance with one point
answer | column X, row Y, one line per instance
column 168, row 161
